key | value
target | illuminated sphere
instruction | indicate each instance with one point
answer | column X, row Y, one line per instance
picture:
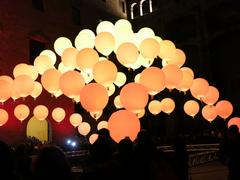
column 94, row 97
column 167, row 49
column 5, row 90
column 88, row 77
column 96, row 115
column 105, row 26
column 187, row 79
column 191, row 108
column 105, row 72
column 21, row 112
column 75, row 119
column 64, row 69
column 120, row 79
column 212, row 96
column 40, row 112
column 117, row 102
column 154, row 107
column 153, row 79
column 234, row 121
column 61, row 44
column 199, row 87
column 138, row 63
column 127, row 54
column 3, row 117
column 105, row 43
column 71, row 83
column 84, row 128
column 69, row 57
column 123, row 23
column 141, row 113
column 87, row 58
column 178, row 58
column 50, row 54
column 6, row 78
column 123, row 35
column 85, row 39
column 224, row 109
column 137, row 78
column 102, row 124
column 50, row 80
column 145, row 62
column 24, row 85
column 24, row 69
column 58, row 93
column 173, row 76
column 42, row 63
column 93, row 138
column 134, row 97
column 149, row 48
column 123, row 123
column 142, row 34
column 110, row 89
column 168, row 105
column 58, row 114
column 209, row 112
column 37, row 90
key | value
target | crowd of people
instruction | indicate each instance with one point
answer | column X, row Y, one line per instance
column 107, row 159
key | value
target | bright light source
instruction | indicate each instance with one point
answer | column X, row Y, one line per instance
column 73, row 144
column 69, row 141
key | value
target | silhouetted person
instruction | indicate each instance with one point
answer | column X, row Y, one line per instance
column 103, row 148
column 144, row 152
column 100, row 163
column 180, row 159
column 7, row 164
column 23, row 162
column 125, row 160
column 233, row 152
column 51, row 164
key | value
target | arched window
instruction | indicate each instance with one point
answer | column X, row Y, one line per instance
column 134, row 10
column 145, row 7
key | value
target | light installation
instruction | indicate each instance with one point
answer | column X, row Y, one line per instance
column 91, row 69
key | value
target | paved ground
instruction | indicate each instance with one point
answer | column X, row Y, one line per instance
column 209, row 171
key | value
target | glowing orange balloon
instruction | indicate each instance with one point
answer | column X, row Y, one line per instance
column 105, row 72
column 105, row 43
column 93, row 138
column 134, row 97
column 153, row 79
column 234, row 121
column 24, row 69
column 21, row 112
column 178, row 58
column 212, row 96
column 71, row 83
column 42, row 63
column 50, row 54
column 149, row 48
column 50, row 80
column 167, row 49
column 58, row 114
column 40, row 112
column 3, row 117
column 120, row 79
column 191, row 108
column 86, row 59
column 168, row 105
column 127, row 54
column 96, row 115
column 155, row 107
column 5, row 90
column 102, row 124
column 173, row 76
column 24, row 85
column 69, row 57
column 85, row 39
column 94, row 97
column 75, row 119
column 224, row 109
column 61, row 44
column 187, row 79
column 123, row 123
column 117, row 102
column 37, row 90
column 199, row 88
column 84, row 128
column 209, row 112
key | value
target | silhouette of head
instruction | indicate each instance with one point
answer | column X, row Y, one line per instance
column 52, row 163
column 233, row 130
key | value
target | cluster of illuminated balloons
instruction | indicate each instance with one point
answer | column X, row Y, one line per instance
column 86, row 75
